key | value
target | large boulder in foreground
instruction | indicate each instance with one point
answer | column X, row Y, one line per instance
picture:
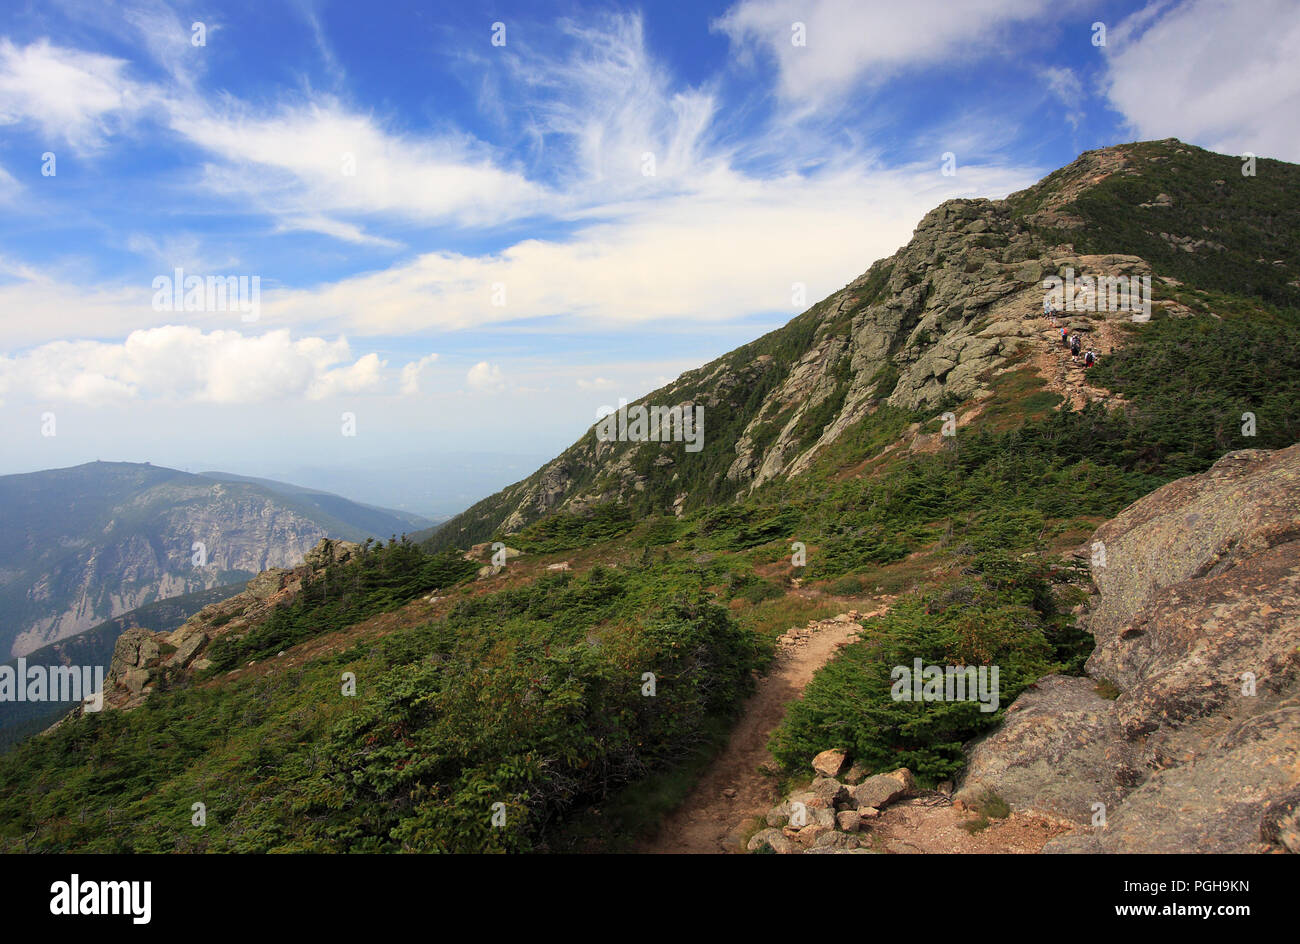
column 1197, row 626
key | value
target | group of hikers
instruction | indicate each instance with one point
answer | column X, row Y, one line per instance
column 1071, row 341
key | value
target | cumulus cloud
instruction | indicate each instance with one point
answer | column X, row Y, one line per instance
column 183, row 364
column 484, row 377
column 1217, row 73
column 411, row 374
column 596, row 383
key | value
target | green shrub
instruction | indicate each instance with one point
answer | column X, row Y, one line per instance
column 850, row 701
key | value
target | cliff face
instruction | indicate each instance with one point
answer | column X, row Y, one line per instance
column 1197, row 624
column 142, row 660
column 929, row 326
column 80, row 546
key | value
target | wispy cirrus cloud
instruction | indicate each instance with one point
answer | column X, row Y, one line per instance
column 851, row 42
column 72, row 96
column 310, row 162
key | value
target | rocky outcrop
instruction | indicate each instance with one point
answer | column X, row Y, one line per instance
column 1185, row 736
column 143, row 661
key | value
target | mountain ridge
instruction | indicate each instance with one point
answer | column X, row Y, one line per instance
column 926, row 327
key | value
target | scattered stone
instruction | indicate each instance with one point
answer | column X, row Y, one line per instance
column 829, row 790
column 883, row 789
column 771, row 840
column 829, row 763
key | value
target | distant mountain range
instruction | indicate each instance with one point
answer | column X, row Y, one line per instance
column 81, row 545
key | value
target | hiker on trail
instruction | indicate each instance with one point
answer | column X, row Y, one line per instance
column 1074, row 347
column 1065, row 335
column 1089, row 359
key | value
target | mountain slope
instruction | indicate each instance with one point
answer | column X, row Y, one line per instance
column 81, row 545
column 578, row 691
column 928, row 326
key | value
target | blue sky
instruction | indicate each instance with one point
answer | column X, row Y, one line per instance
column 471, row 246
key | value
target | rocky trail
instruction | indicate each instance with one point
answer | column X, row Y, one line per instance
column 736, row 793
column 740, row 784
column 1062, row 372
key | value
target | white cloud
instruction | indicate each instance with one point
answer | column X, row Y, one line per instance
column 339, row 229
column 72, row 96
column 605, row 100
column 179, row 250
column 721, row 253
column 1217, row 73
column 169, row 38
column 484, row 377
column 596, row 383
column 312, row 161
column 183, row 364
column 411, row 374
column 869, row 41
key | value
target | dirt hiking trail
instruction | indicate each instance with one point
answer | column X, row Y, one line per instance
column 715, row 816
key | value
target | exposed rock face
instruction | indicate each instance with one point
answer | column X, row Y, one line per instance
column 1197, row 625
column 142, row 659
